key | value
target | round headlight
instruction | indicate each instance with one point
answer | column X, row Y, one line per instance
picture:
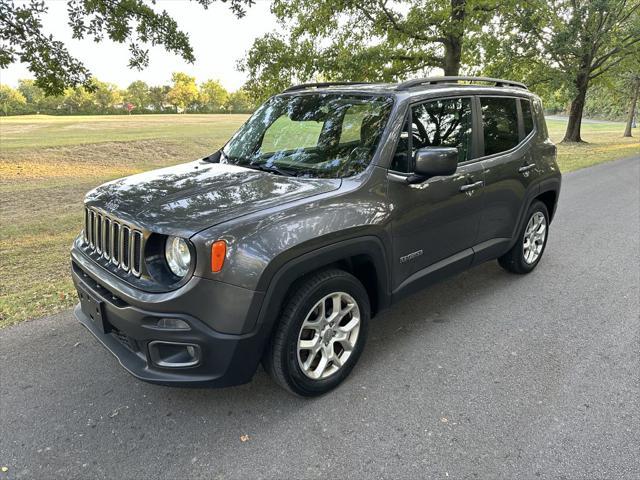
column 178, row 256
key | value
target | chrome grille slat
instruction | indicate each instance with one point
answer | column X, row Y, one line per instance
column 106, row 234
column 125, row 260
column 136, row 253
column 114, row 242
column 115, row 245
column 98, row 233
column 92, row 237
column 86, row 225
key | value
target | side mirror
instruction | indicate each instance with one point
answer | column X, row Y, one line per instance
column 434, row 162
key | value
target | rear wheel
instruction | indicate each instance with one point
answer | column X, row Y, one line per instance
column 532, row 239
column 320, row 335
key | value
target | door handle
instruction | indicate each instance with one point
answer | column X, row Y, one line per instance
column 471, row 186
column 526, row 168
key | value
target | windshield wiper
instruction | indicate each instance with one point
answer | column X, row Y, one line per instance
column 270, row 168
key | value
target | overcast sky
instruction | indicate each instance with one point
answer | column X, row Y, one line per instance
column 218, row 38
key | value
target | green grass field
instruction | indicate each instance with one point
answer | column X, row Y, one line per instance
column 48, row 163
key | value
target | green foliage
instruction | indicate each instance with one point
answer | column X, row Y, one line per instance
column 158, row 97
column 184, row 92
column 11, row 99
column 33, row 94
column 562, row 46
column 366, row 40
column 138, row 95
column 107, row 98
column 240, row 102
column 123, row 21
column 212, row 96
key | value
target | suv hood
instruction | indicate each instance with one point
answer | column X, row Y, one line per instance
column 185, row 199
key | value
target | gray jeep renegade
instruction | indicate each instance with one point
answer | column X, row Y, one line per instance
column 330, row 203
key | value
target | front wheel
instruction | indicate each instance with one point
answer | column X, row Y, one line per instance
column 532, row 239
column 321, row 333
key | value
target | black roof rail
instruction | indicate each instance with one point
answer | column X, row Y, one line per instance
column 302, row 86
column 435, row 80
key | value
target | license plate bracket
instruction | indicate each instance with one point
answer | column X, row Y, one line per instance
column 94, row 309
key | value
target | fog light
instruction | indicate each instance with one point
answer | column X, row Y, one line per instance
column 174, row 355
column 173, row 324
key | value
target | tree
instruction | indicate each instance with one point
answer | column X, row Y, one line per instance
column 635, row 91
column 213, row 96
column 184, row 92
column 78, row 100
column 11, row 100
column 33, row 95
column 239, row 102
column 106, row 96
column 137, row 93
column 366, row 40
column 158, row 97
column 135, row 22
column 566, row 44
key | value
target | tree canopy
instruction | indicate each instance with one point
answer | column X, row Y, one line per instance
column 366, row 40
column 134, row 22
column 564, row 45
column 107, row 98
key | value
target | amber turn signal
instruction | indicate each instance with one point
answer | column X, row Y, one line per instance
column 218, row 254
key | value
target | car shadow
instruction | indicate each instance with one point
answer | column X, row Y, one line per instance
column 416, row 314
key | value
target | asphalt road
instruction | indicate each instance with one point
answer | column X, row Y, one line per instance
column 488, row 375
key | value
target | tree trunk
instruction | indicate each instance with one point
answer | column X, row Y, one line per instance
column 452, row 57
column 632, row 108
column 453, row 40
column 577, row 106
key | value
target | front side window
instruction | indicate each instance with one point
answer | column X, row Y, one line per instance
column 325, row 135
column 500, row 123
column 438, row 123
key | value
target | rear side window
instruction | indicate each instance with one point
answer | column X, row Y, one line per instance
column 527, row 118
column 500, row 122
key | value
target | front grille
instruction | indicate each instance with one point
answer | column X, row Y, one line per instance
column 113, row 241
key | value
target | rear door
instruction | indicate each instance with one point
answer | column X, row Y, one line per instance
column 435, row 220
column 506, row 144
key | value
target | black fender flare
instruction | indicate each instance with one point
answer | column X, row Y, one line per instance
column 278, row 279
column 548, row 185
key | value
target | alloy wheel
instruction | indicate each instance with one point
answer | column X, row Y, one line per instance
column 534, row 237
column 328, row 335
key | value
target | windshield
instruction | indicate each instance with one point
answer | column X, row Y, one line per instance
column 325, row 135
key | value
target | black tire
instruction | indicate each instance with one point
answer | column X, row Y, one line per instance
column 281, row 356
column 514, row 260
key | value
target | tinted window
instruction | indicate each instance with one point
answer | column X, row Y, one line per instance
column 527, row 118
column 443, row 123
column 500, row 121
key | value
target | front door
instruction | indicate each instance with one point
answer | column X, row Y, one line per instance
column 435, row 222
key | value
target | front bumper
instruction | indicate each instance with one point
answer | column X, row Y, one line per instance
column 127, row 327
